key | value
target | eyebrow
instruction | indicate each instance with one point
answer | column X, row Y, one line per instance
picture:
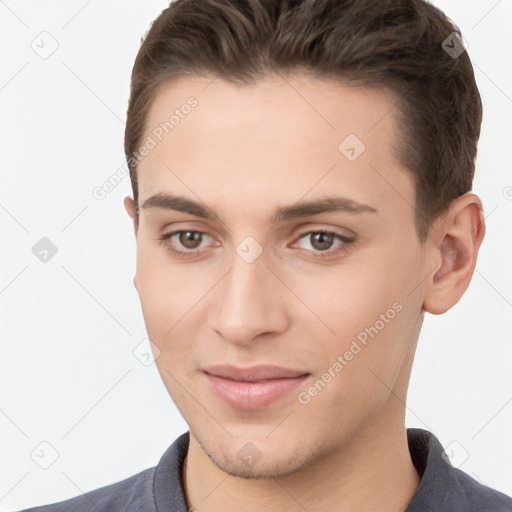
column 284, row 213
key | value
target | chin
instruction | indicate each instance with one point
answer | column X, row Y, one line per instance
column 267, row 469
column 262, row 459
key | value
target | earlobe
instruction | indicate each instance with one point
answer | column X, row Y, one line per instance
column 460, row 235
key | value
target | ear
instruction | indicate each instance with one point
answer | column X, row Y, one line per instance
column 455, row 243
column 129, row 206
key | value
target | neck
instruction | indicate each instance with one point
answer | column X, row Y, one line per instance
column 371, row 471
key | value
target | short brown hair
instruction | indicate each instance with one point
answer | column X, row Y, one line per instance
column 391, row 44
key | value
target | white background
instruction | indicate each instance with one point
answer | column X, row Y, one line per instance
column 68, row 375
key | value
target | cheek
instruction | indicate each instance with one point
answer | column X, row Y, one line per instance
column 166, row 291
column 349, row 298
column 372, row 314
column 171, row 296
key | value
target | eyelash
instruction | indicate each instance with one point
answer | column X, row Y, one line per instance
column 316, row 254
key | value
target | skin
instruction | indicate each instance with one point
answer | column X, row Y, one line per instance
column 243, row 152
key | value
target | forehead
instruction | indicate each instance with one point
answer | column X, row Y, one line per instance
column 297, row 132
column 279, row 105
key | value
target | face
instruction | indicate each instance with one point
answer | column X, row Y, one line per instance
column 289, row 242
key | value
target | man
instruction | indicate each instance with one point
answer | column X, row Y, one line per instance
column 301, row 178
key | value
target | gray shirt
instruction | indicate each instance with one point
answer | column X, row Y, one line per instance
column 443, row 488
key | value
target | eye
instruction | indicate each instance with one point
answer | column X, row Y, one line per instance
column 188, row 239
column 323, row 241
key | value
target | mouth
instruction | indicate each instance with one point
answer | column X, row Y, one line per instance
column 252, row 388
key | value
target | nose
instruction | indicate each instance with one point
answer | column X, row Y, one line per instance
column 249, row 303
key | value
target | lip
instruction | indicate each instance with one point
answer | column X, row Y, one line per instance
column 252, row 388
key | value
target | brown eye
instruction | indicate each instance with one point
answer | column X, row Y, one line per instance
column 324, row 244
column 322, row 241
column 190, row 239
column 185, row 243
